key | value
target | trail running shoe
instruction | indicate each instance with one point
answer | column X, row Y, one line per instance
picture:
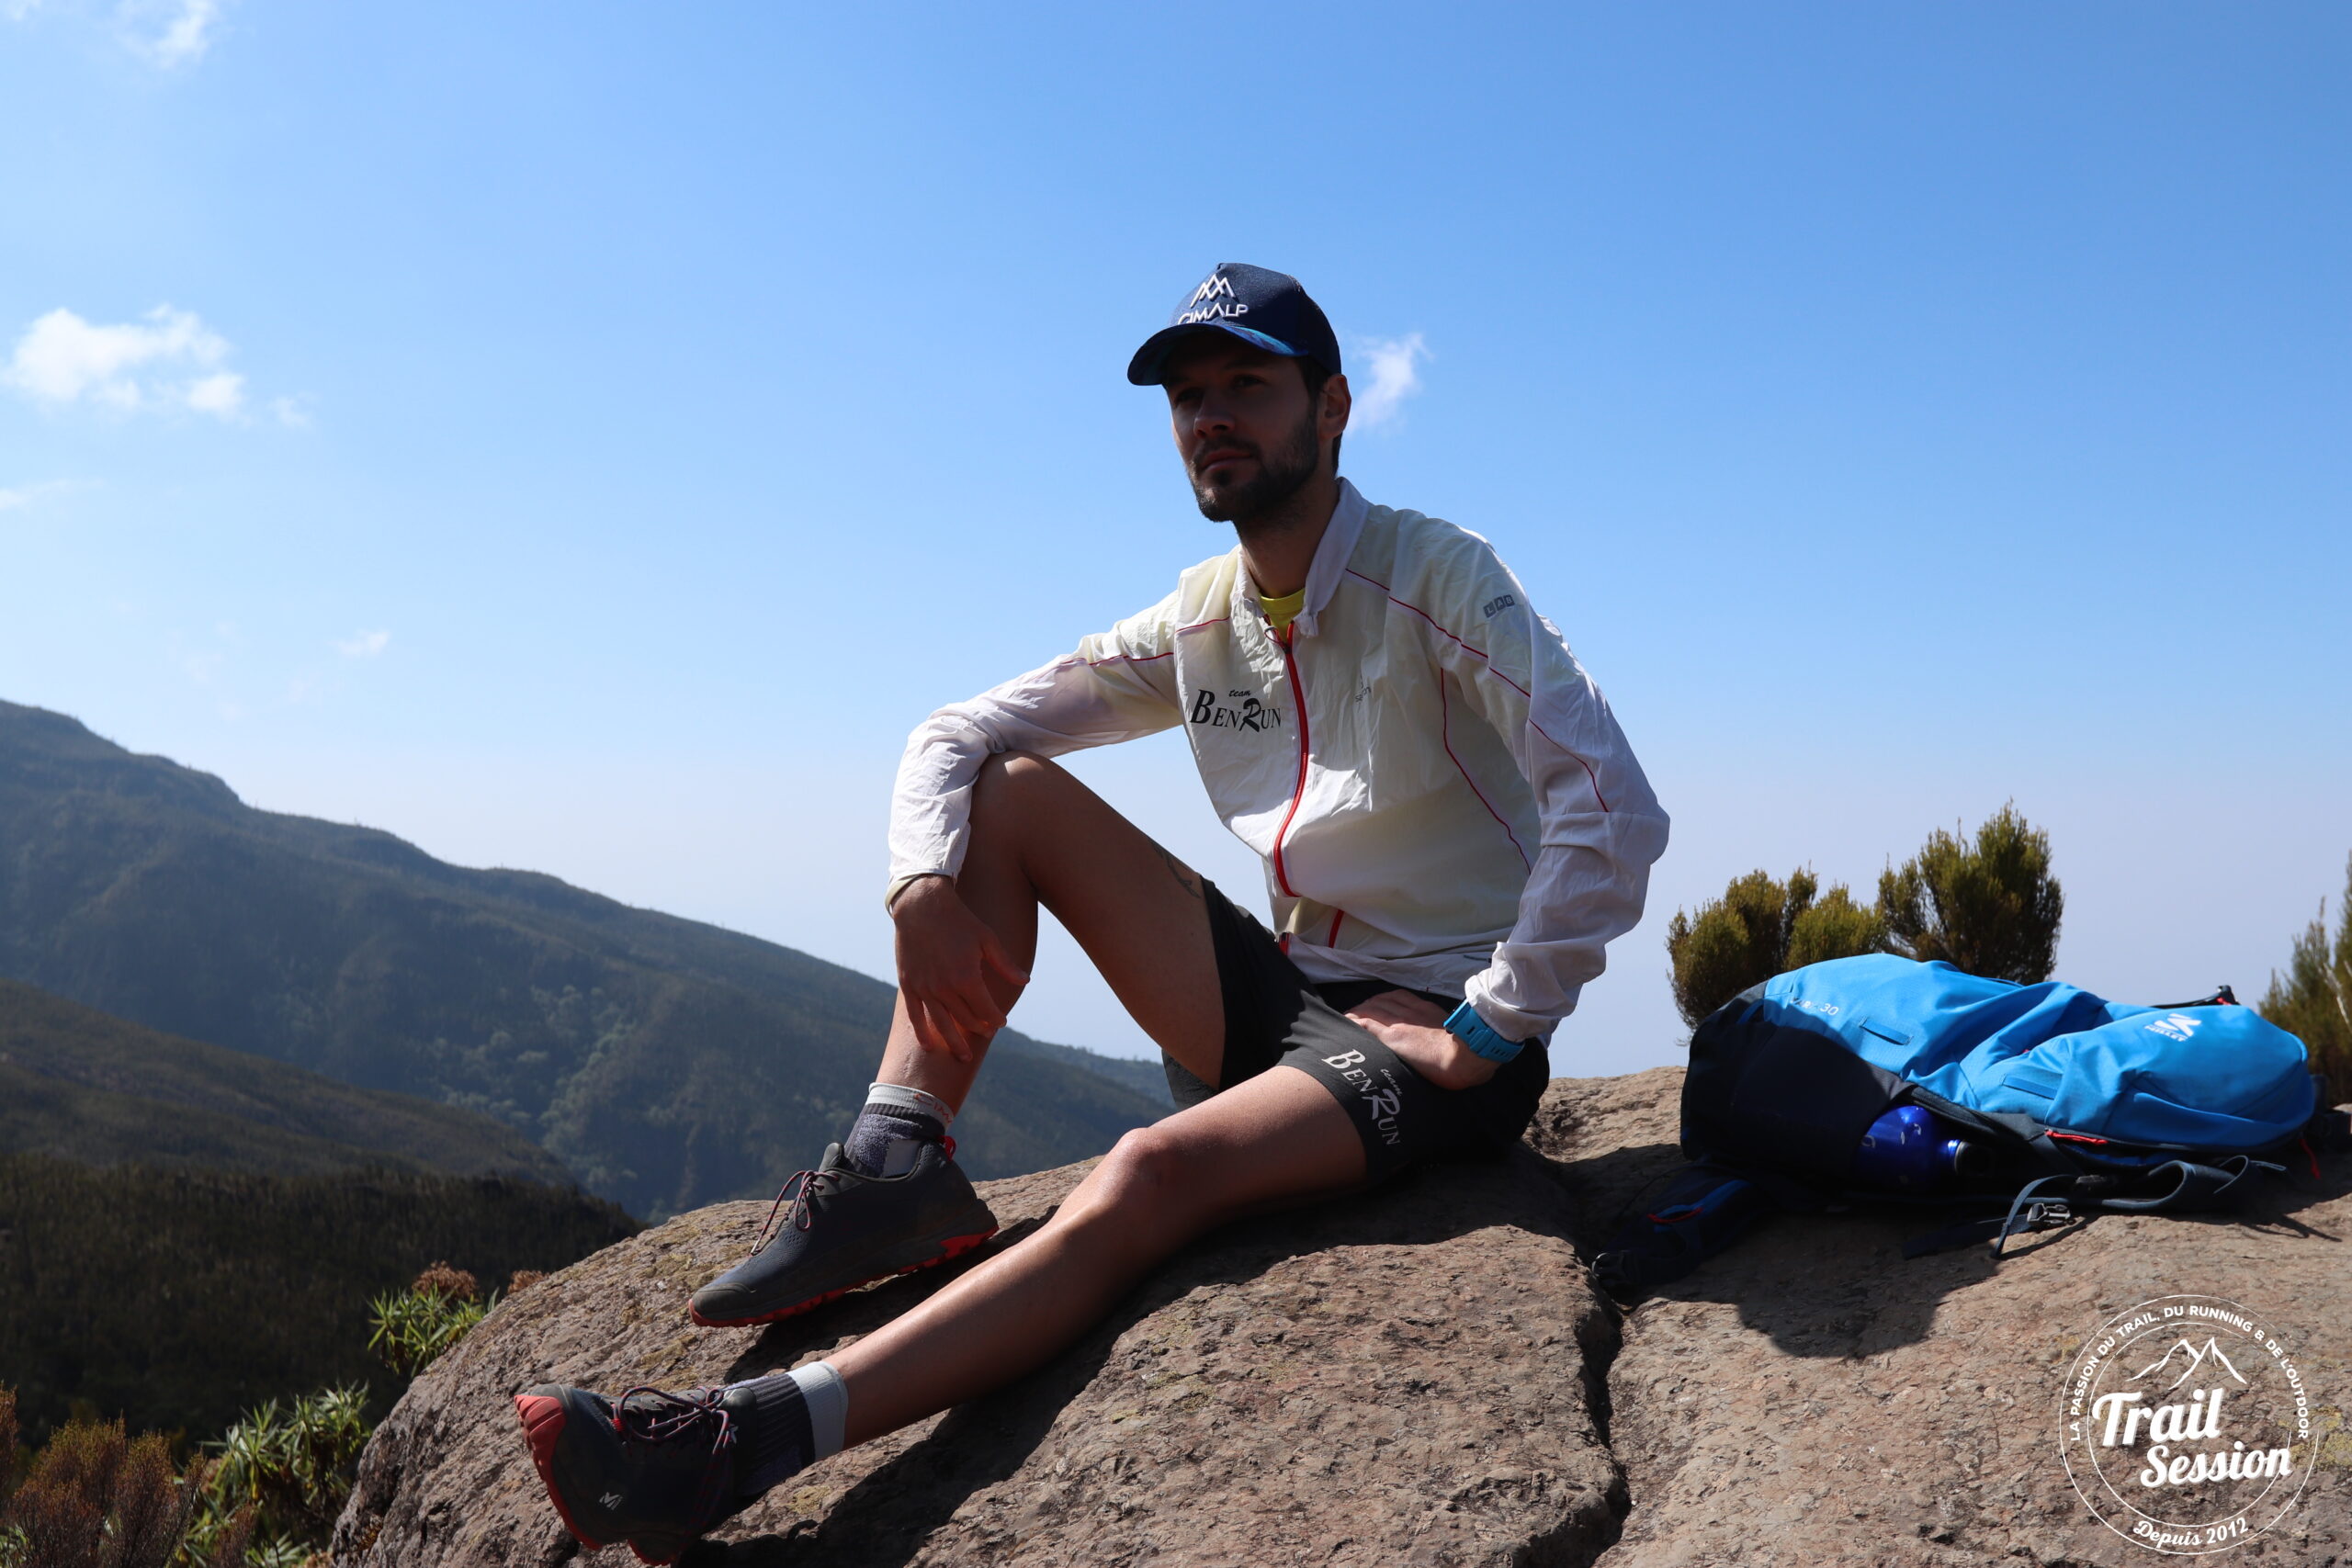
column 841, row 1229
column 653, row 1469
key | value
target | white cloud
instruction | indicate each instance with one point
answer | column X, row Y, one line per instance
column 21, row 496
column 294, row 414
column 168, row 32
column 222, row 394
column 63, row 359
column 365, row 645
column 18, row 10
column 1394, row 375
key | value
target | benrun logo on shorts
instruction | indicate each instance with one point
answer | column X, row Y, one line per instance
column 1381, row 1103
column 2186, row 1425
column 1211, row 301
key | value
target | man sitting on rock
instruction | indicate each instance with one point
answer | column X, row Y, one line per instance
column 1453, row 828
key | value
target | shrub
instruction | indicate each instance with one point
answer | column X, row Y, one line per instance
column 1991, row 908
column 95, row 1498
column 283, row 1476
column 2314, row 998
column 416, row 1326
column 1758, row 929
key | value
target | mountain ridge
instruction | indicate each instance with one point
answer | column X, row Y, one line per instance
column 79, row 1084
column 666, row 1063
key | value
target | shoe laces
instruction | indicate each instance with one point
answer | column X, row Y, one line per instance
column 660, row 1417
column 798, row 1190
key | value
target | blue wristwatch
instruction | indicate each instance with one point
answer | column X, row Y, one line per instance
column 1466, row 1026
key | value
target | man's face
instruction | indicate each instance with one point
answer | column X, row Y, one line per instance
column 1245, row 427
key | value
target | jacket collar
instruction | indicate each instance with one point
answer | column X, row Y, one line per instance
column 1332, row 553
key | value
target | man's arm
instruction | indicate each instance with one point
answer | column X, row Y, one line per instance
column 1119, row 685
column 1600, row 826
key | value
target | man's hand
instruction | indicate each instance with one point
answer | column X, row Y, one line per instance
column 1414, row 1027
column 946, row 954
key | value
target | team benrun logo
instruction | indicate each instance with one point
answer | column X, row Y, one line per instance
column 2187, row 1427
column 1212, row 301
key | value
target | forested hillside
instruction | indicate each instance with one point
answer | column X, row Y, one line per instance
column 177, row 1299
column 668, row 1063
column 86, row 1085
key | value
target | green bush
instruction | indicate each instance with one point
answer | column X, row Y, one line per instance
column 2314, row 998
column 266, row 1495
column 1758, row 929
column 416, row 1326
column 1991, row 908
column 281, row 1477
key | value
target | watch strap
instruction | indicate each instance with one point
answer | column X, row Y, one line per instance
column 1466, row 1026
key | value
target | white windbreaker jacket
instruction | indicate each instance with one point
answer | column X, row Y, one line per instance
column 1443, row 797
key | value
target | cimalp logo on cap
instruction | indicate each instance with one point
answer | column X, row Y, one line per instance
column 2187, row 1426
column 1212, row 301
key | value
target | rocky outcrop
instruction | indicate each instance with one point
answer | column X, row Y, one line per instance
column 1421, row 1375
column 1811, row 1398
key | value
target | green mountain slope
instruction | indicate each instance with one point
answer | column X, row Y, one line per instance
column 667, row 1063
column 178, row 1299
column 82, row 1085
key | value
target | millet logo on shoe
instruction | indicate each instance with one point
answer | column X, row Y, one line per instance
column 1246, row 712
column 1381, row 1103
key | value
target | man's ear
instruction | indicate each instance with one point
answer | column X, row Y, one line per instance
column 1331, row 419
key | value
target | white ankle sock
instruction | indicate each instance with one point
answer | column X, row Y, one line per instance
column 828, row 1400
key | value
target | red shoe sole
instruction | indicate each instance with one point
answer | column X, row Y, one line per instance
column 954, row 1247
column 543, row 1421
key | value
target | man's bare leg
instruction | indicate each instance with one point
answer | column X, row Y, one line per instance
column 1040, row 837
column 643, row 1468
column 1279, row 1137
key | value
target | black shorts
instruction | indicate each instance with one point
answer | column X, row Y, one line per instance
column 1274, row 1014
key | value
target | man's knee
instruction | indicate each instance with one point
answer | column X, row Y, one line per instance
column 1011, row 779
column 1143, row 1180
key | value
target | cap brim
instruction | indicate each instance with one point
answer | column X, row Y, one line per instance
column 1150, row 366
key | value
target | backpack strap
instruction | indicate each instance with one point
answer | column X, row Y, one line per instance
column 2184, row 1184
column 2026, row 1213
column 1702, row 1210
column 2224, row 998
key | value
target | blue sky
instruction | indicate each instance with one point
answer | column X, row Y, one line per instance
column 590, row 437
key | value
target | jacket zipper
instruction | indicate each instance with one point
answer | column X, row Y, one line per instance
column 1298, row 786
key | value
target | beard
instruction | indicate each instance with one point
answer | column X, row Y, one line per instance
column 1282, row 474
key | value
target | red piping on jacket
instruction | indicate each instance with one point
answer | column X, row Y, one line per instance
column 1588, row 773
column 1443, row 725
column 1298, row 786
column 1333, row 939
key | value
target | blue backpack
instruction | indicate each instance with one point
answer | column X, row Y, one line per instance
column 2066, row 1104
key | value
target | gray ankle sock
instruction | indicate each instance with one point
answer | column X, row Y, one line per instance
column 796, row 1418
column 890, row 1131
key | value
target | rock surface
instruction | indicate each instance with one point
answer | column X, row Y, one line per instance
column 1809, row 1397
column 1421, row 1375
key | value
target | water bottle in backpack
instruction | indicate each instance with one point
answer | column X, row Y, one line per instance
column 1910, row 1148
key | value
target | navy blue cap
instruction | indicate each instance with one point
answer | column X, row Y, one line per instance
column 1261, row 307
